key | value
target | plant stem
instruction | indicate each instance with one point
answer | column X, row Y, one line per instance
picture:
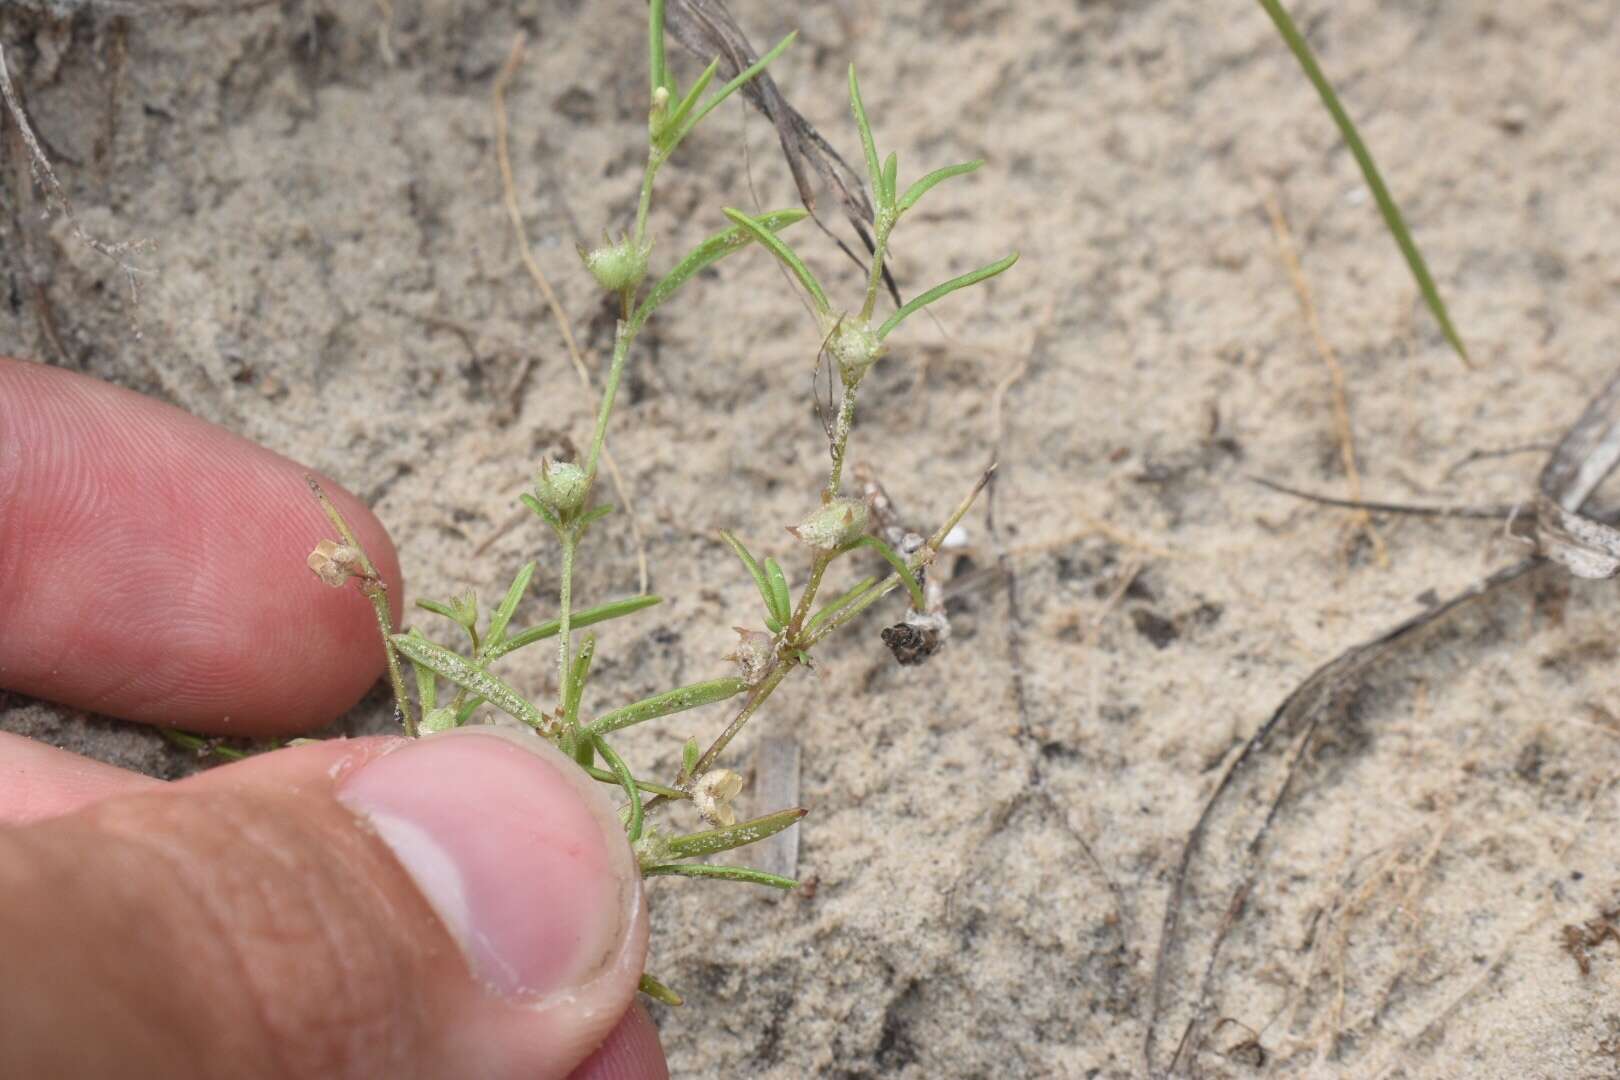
column 644, row 204
column 773, row 679
column 840, row 441
column 879, row 250
column 818, row 568
column 377, row 592
column 569, row 536
column 622, row 338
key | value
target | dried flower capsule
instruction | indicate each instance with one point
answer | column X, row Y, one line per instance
column 712, row 796
column 335, row 563
column 838, row 523
column 754, row 654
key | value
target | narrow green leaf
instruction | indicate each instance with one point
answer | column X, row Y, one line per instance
column 919, row 302
column 541, row 511
column 868, row 144
column 781, row 600
column 689, row 756
column 706, row 254
column 891, row 176
column 894, row 559
column 646, row 786
column 724, row 873
column 1369, row 170
column 440, row 609
column 499, row 621
column 626, row 781
column 427, row 684
column 833, row 607
column 786, row 255
column 773, row 624
column 577, row 678
column 733, row 836
column 667, row 703
column 753, row 568
column 658, row 991
column 468, row 675
column 727, row 90
column 613, row 609
column 938, row 176
column 678, row 115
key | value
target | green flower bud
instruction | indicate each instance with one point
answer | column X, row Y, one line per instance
column 560, row 487
column 838, row 523
column 617, row 267
column 856, row 347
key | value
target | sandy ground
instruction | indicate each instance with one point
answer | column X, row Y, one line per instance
column 994, row 836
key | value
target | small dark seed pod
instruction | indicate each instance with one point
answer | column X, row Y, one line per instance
column 910, row 644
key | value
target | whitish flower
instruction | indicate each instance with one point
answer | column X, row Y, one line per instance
column 713, row 794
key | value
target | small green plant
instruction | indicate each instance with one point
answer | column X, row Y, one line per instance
column 791, row 627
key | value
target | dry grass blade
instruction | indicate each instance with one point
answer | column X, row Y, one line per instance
column 706, row 29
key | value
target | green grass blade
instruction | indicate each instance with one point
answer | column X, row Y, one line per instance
column 785, row 254
column 919, row 302
column 613, row 609
column 891, row 177
column 868, row 144
column 468, row 675
column 668, row 703
column 724, row 873
column 706, row 254
column 1369, row 170
column 938, row 176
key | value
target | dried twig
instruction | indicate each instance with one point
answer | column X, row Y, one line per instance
column 1411, row 509
column 509, row 189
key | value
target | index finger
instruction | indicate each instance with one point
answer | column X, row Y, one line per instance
column 153, row 566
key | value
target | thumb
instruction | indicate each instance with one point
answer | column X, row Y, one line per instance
column 462, row 905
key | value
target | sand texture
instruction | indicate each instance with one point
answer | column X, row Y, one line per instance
column 995, row 836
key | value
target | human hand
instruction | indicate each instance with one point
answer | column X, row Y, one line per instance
column 463, row 905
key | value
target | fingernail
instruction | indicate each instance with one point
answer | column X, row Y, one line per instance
column 510, row 843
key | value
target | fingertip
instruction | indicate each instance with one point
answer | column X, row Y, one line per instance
column 153, row 566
